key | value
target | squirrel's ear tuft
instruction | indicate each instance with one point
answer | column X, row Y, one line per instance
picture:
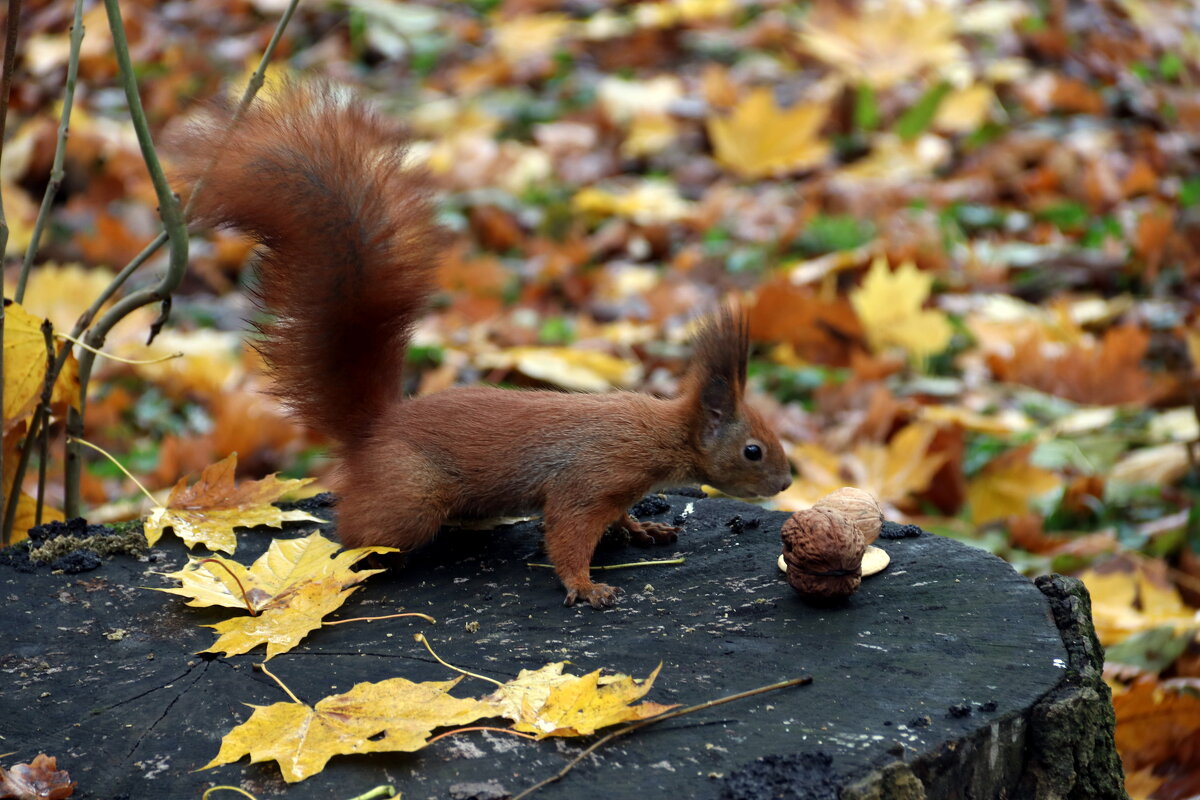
column 717, row 373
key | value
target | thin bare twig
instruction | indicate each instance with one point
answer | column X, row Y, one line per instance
column 174, row 222
column 44, row 439
column 172, row 217
column 60, row 150
column 803, row 681
column 6, row 76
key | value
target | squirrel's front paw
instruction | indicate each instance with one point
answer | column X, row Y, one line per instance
column 599, row 595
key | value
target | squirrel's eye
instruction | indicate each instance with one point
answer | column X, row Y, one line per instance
column 752, row 452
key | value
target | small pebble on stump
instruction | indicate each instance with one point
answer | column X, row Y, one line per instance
column 823, row 546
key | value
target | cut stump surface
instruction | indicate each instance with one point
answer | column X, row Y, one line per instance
column 947, row 675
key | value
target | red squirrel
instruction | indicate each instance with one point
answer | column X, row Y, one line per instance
column 349, row 247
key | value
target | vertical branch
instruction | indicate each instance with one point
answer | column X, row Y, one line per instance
column 6, row 77
column 175, row 232
column 44, row 439
column 60, row 151
column 248, row 95
column 172, row 217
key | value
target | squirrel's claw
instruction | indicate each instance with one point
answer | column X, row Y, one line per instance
column 598, row 595
column 644, row 534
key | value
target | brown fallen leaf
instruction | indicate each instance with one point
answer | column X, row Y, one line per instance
column 207, row 512
column 1107, row 372
column 41, row 779
column 821, row 330
column 288, row 591
column 1158, row 721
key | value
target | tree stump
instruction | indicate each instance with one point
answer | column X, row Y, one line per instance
column 948, row 675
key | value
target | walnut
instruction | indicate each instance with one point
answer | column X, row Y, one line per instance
column 823, row 551
column 857, row 506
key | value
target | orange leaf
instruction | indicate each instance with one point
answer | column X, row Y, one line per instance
column 1104, row 373
column 819, row 330
column 1158, row 722
column 208, row 512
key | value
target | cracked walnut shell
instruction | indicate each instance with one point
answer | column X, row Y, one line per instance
column 823, row 551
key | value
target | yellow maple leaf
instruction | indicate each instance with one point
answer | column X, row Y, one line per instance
column 530, row 35
column 285, row 620
column 25, row 367
column 388, row 716
column 1007, row 486
column 648, row 202
column 886, row 46
column 759, row 139
column 569, row 368
column 1125, row 602
column 889, row 306
column 890, row 472
column 289, row 590
column 207, row 512
column 548, row 703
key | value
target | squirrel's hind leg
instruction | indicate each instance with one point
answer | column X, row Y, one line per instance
column 399, row 504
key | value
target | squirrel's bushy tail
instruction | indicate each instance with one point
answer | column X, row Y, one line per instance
column 350, row 243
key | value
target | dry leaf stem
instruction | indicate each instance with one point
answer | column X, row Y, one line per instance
column 660, row 563
column 425, row 617
column 245, row 597
column 282, row 685
column 509, row 731
column 112, row 357
column 117, row 464
column 802, row 681
column 60, row 150
column 420, row 637
column 44, row 439
column 378, row 791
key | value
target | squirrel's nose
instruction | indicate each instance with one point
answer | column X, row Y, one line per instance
column 786, row 484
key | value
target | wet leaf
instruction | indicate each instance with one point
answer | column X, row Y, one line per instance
column 289, row 589
column 207, row 512
column 548, row 703
column 394, row 715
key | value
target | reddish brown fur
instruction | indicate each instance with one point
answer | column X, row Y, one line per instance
column 350, row 247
